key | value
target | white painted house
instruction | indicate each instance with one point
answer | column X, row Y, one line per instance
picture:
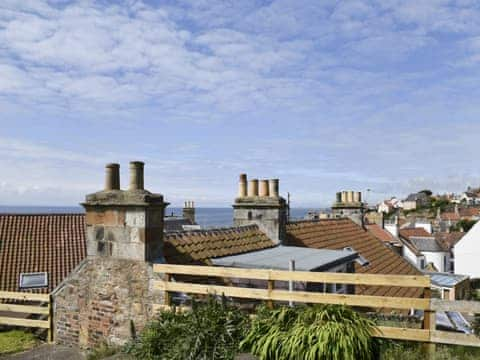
column 421, row 249
column 467, row 253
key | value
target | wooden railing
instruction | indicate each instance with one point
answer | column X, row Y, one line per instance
column 428, row 334
column 36, row 304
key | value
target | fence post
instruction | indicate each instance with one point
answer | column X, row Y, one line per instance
column 271, row 286
column 429, row 323
column 166, row 294
column 50, row 319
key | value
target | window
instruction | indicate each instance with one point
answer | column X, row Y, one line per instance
column 422, row 263
column 33, row 280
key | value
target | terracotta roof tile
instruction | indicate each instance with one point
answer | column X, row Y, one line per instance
column 414, row 232
column 380, row 233
column 52, row 243
column 337, row 234
column 198, row 246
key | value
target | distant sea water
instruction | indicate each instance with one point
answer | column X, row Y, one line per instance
column 206, row 217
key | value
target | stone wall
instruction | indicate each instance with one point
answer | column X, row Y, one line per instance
column 98, row 302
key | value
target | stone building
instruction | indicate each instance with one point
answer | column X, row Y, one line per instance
column 103, row 294
column 111, row 291
column 349, row 204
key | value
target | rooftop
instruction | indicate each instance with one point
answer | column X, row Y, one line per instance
column 279, row 258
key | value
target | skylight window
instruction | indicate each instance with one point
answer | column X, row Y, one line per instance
column 33, row 280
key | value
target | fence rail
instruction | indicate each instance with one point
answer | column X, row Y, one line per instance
column 42, row 307
column 428, row 334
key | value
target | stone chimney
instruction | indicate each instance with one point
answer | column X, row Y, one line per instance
column 349, row 204
column 125, row 224
column 189, row 211
column 263, row 206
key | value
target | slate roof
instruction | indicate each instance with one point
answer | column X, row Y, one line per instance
column 173, row 223
column 426, row 244
column 337, row 234
column 199, row 246
column 52, row 243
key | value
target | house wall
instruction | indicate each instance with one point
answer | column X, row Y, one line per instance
column 101, row 300
column 423, row 225
column 437, row 258
column 467, row 253
column 410, row 256
column 392, row 229
column 409, row 205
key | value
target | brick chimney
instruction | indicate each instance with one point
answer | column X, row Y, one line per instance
column 189, row 211
column 125, row 224
column 261, row 205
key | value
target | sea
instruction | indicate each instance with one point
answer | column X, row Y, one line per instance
column 205, row 216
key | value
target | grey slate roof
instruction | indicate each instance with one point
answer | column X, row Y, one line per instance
column 426, row 244
column 306, row 259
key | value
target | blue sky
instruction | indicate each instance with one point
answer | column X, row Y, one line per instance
column 325, row 95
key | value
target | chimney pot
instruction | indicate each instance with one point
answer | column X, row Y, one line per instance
column 253, row 187
column 242, row 186
column 264, row 191
column 136, row 175
column 274, row 185
column 112, row 177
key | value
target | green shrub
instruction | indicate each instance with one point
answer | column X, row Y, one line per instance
column 212, row 330
column 102, row 351
column 310, row 333
column 16, row 340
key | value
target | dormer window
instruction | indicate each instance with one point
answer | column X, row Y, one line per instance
column 33, row 280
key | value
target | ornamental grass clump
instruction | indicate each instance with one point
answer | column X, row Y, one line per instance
column 211, row 330
column 323, row 332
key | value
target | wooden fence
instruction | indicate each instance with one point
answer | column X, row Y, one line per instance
column 428, row 334
column 36, row 304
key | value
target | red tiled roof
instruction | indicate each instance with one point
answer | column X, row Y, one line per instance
column 414, row 232
column 448, row 240
column 199, row 246
column 450, row 216
column 337, row 234
column 469, row 212
column 380, row 233
column 52, row 243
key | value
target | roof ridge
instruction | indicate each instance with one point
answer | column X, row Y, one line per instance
column 214, row 230
column 42, row 214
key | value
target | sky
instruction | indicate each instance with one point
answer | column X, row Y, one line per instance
column 324, row 95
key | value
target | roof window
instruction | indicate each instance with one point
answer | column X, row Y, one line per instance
column 33, row 280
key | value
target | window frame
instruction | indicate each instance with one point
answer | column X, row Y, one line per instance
column 21, row 284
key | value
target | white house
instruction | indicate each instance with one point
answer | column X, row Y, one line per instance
column 467, row 253
column 421, row 249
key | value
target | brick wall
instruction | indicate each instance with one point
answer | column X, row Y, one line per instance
column 98, row 302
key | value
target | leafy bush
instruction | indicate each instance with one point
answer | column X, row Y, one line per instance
column 310, row 333
column 211, row 330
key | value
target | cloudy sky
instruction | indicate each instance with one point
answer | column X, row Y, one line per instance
column 325, row 95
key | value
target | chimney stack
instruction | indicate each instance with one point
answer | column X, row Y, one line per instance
column 136, row 175
column 264, row 191
column 125, row 224
column 263, row 207
column 189, row 211
column 253, row 188
column 242, row 186
column 112, row 177
column 273, row 190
